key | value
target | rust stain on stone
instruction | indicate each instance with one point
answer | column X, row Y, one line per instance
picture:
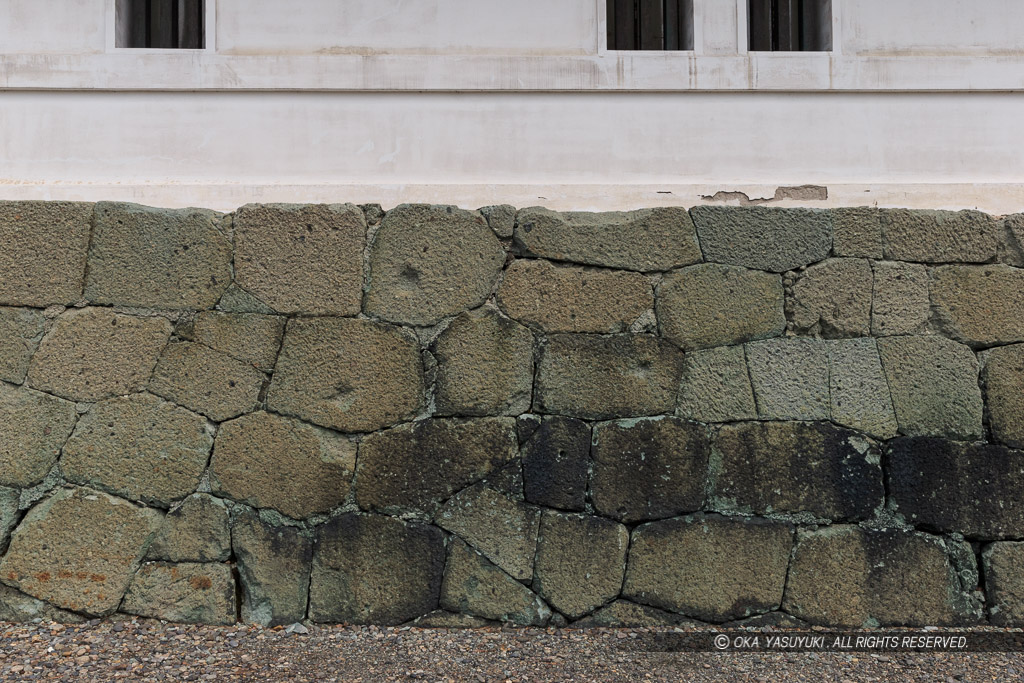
column 200, row 582
column 43, row 577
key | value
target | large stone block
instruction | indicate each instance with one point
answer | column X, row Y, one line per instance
column 709, row 567
column 138, row 447
column 350, row 375
column 934, row 386
column 790, row 378
column 195, row 531
column 1004, row 389
column 979, row 305
column 273, row 567
column 9, row 503
column 472, row 585
column 561, row 298
column 33, row 429
column 644, row 240
column 501, row 218
column 595, row 377
column 848, row 576
column 484, row 365
column 649, row 468
column 43, row 259
column 237, row 300
column 580, row 562
column 939, row 236
column 17, row 607
column 431, row 262
column 94, row 353
column 900, row 303
column 249, row 337
column 1004, row 582
column 795, row 467
column 79, row 549
column 859, row 395
column 973, row 489
column 770, row 239
column 20, row 332
column 858, row 232
column 158, row 258
column 833, row 299
column 714, row 305
column 186, row 592
column 716, row 386
column 269, row 461
column 371, row 569
column 206, row 381
column 556, row 462
column 416, row 467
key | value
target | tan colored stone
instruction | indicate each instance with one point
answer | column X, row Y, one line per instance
column 248, row 337
column 187, row 592
column 33, row 429
column 979, row 305
column 472, row 585
column 17, row 607
column 195, row 531
column 273, row 566
column 20, row 332
column 9, row 503
column 716, row 386
column 206, row 381
column 501, row 218
column 858, row 232
column 833, row 299
column 939, row 236
column 790, row 378
column 858, row 392
column 900, row 303
column 1004, row 389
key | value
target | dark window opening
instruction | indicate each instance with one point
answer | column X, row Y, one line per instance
column 650, row 24
column 790, row 25
column 166, row 24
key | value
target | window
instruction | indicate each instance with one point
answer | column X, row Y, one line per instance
column 160, row 24
column 790, row 25
column 650, row 24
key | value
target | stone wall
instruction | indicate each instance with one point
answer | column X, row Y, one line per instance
column 453, row 417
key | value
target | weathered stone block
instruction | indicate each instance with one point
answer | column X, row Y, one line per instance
column 302, row 258
column 237, row 300
column 484, row 365
column 431, row 262
column 43, row 259
column 979, row 305
column 273, row 566
column 79, row 549
column 1004, row 582
column 17, row 607
column 1012, row 246
column 20, row 332
column 440, row 618
column 501, row 218
column 188, row 592
column 973, row 489
column 716, row 386
column 595, row 377
column 770, row 239
column 1004, row 388
column 833, row 299
column 790, row 378
column 33, row 429
column 934, row 386
column 858, row 232
column 195, row 531
column 472, row 585
column 94, row 353
column 416, row 467
column 158, row 258
column 9, row 499
column 626, row 614
column 848, row 576
column 644, row 240
column 556, row 460
column 900, row 303
column 795, row 467
column 206, row 381
column 649, row 469
column 709, row 567
column 371, row 569
column 248, row 337
column 268, row 461
column 560, row 298
column 858, row 393
column 350, row 375
column 580, row 562
column 714, row 305
column 939, row 236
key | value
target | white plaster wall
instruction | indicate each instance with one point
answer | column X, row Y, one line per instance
column 53, row 26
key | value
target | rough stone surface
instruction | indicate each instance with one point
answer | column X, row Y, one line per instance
column 795, row 467
column 561, row 298
column 626, row 614
column 973, row 489
column 371, row 569
column 709, row 567
column 504, row 530
column 187, row 592
column 33, row 428
column 94, row 353
column 1012, row 247
column 472, row 585
column 252, row 453
column 249, row 337
column 644, row 240
column 302, row 258
column 716, row 386
column 934, row 385
column 556, row 461
column 593, row 377
column 17, row 607
column 501, row 218
column 237, row 300
column 195, row 531
column 350, row 375
column 979, row 305
column 648, row 469
column 9, row 499
column 769, row 239
column 440, row 618
column 160, row 258
column 484, row 365
column 790, row 378
column 273, row 567
column 833, row 299
column 43, row 259
column 1004, row 388
column 138, row 447
column 1004, row 574
column 939, row 236
column 415, row 468
column 900, row 303
column 431, row 262
column 20, row 332
column 714, row 305
column 53, row 554
column 848, row 576
column 206, row 381
column 858, row 232
column 858, row 393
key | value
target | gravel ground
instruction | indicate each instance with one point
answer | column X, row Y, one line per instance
column 153, row 651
